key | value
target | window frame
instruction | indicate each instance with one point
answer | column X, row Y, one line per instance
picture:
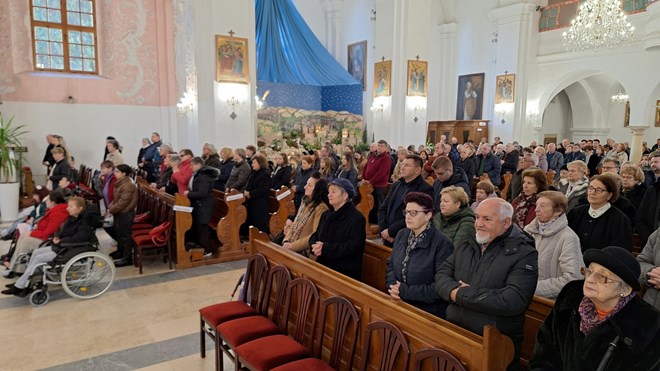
column 66, row 28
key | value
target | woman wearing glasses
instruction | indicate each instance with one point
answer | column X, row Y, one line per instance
column 419, row 251
column 599, row 224
column 600, row 323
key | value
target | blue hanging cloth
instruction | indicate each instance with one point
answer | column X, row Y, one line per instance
column 288, row 52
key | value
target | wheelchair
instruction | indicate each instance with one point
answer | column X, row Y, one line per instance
column 80, row 268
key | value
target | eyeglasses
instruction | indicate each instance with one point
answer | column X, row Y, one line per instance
column 597, row 190
column 609, row 167
column 413, row 213
column 599, row 278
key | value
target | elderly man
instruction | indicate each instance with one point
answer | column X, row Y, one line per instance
column 390, row 214
column 611, row 165
column 491, row 281
column 529, row 160
column 510, row 159
column 555, row 159
column 438, row 151
column 489, row 164
column 377, row 171
column 448, row 175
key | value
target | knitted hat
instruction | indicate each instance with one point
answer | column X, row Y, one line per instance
column 617, row 260
column 346, row 185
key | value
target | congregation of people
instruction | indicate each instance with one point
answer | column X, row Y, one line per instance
column 470, row 243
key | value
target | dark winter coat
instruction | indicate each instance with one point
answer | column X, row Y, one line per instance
column 239, row 175
column 351, row 175
column 343, row 235
column 560, row 345
column 510, row 164
column 201, row 194
column 62, row 169
column 502, row 283
column 77, row 229
column 282, row 177
column 491, row 166
column 592, row 165
column 555, row 162
column 515, row 187
column 225, row 171
column 610, row 229
column 647, row 214
column 424, row 262
column 468, row 167
column 635, row 195
column 257, row 205
column 458, row 227
column 300, row 179
column 457, row 179
column 213, row 161
column 390, row 212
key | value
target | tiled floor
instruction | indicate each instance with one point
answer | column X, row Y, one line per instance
column 144, row 322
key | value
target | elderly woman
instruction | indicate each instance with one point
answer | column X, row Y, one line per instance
column 600, row 323
column 256, row 192
column 543, row 158
column 485, row 189
column 595, row 159
column 419, row 251
column 113, row 152
column 466, row 162
column 598, row 224
column 649, row 260
column 634, row 188
column 338, row 243
column 560, row 256
column 524, row 206
column 314, row 204
column 201, row 198
column 227, row 164
column 577, row 185
column 401, row 155
column 455, row 218
column 145, row 144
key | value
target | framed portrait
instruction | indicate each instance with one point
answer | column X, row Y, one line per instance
column 357, row 61
column 382, row 79
column 657, row 114
column 469, row 104
column 505, row 88
column 417, row 78
column 626, row 118
column 231, row 63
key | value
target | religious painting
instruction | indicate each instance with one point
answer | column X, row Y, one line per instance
column 626, row 119
column 470, row 100
column 383, row 79
column 231, row 60
column 657, row 114
column 417, row 79
column 506, row 85
column 357, row 61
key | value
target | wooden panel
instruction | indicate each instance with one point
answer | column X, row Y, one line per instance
column 374, row 265
column 463, row 130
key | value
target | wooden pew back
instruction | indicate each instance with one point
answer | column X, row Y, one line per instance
column 284, row 207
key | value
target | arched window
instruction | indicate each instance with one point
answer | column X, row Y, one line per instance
column 64, row 36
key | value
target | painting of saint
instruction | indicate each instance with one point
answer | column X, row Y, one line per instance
column 383, row 78
column 357, row 61
column 231, row 60
column 470, row 97
column 505, row 88
column 657, row 114
column 417, row 79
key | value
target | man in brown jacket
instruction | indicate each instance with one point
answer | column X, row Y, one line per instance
column 122, row 209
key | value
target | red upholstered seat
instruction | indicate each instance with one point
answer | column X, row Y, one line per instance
column 137, row 226
column 269, row 352
column 306, row 364
column 143, row 240
column 243, row 330
column 140, row 232
column 222, row 312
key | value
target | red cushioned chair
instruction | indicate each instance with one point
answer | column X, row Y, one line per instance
column 213, row 315
column 154, row 244
column 440, row 359
column 392, row 342
column 266, row 353
column 346, row 327
column 238, row 331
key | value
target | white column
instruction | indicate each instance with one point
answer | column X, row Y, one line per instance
column 652, row 28
column 636, row 142
column 333, row 30
column 442, row 65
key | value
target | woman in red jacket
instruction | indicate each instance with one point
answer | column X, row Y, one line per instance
column 45, row 227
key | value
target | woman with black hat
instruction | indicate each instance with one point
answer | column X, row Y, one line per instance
column 600, row 323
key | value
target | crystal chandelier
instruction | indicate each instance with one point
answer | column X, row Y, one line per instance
column 599, row 23
column 619, row 98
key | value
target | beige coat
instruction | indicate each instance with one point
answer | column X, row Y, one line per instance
column 302, row 243
column 649, row 259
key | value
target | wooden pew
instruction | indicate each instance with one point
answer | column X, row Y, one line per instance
column 365, row 189
column 283, row 198
column 493, row 351
column 28, row 188
column 506, row 180
column 228, row 227
column 534, row 316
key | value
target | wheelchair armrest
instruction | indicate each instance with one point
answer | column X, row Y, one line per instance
column 73, row 244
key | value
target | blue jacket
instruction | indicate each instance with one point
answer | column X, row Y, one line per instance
column 555, row 162
column 491, row 166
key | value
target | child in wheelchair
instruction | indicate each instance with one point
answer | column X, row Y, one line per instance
column 78, row 228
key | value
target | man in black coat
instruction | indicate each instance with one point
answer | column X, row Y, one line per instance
column 447, row 175
column 510, row 160
column 60, row 170
column 48, row 160
column 390, row 213
column 491, row 281
column 202, row 201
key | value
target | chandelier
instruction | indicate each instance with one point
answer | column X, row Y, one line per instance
column 619, row 98
column 599, row 23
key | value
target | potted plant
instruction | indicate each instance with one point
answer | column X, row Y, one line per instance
column 11, row 162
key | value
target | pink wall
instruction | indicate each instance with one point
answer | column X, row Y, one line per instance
column 136, row 57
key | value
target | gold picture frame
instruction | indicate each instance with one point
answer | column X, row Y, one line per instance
column 231, row 59
column 505, row 88
column 357, row 62
column 383, row 79
column 417, row 78
column 657, row 113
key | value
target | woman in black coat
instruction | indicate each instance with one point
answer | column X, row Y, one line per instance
column 257, row 192
column 226, row 166
column 419, row 251
column 202, row 201
column 303, row 173
column 466, row 162
column 281, row 175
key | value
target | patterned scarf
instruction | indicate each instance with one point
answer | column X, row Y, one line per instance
column 524, row 203
column 589, row 319
column 413, row 242
column 304, row 213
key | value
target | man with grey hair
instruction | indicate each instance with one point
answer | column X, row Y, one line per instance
column 491, row 281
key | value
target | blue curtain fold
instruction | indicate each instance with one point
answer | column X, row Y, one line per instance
column 288, row 52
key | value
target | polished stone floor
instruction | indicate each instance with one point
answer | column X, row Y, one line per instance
column 148, row 321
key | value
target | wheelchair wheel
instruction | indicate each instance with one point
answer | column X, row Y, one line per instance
column 87, row 275
column 39, row 298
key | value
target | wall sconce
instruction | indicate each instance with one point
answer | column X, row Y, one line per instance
column 501, row 113
column 419, row 110
column 533, row 116
column 377, row 108
column 233, row 102
column 186, row 103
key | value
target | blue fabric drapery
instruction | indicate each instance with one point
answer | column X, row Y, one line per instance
column 288, row 52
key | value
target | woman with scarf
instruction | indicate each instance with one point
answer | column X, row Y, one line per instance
column 524, row 206
column 560, row 256
column 419, row 251
column 600, row 323
column 314, row 204
column 577, row 185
